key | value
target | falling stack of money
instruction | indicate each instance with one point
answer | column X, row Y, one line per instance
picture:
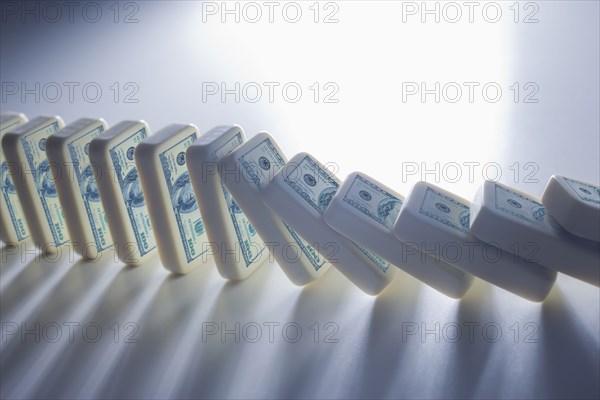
column 221, row 197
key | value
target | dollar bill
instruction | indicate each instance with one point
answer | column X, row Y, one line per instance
column 260, row 164
column 79, row 150
column 317, row 187
column 379, row 205
column 183, row 199
column 122, row 156
column 446, row 210
column 373, row 201
column 375, row 259
column 585, row 191
column 34, row 146
column 9, row 193
column 309, row 251
column 519, row 206
column 251, row 244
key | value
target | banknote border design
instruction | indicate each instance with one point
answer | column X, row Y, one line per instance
column 320, row 172
column 88, row 211
column 10, row 206
column 25, row 145
column 11, row 212
column 362, row 209
column 113, row 158
column 248, row 168
column 587, row 185
column 375, row 258
column 444, row 221
column 166, row 175
column 511, row 212
column 247, row 260
column 9, row 203
column 315, row 259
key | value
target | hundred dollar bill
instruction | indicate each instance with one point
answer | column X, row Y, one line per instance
column 122, row 156
column 437, row 221
column 300, row 193
column 585, row 191
column 445, row 210
column 257, row 164
column 13, row 224
column 519, row 206
column 518, row 223
column 317, row 187
column 79, row 150
column 183, row 200
column 251, row 244
column 378, row 204
column 365, row 211
column 381, row 206
column 34, row 146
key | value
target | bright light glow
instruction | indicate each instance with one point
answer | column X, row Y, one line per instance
column 371, row 128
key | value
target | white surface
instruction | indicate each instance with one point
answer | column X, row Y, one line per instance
column 519, row 224
column 355, row 213
column 13, row 228
column 302, row 207
column 69, row 190
column 169, row 53
column 370, row 358
column 236, row 247
column 575, row 205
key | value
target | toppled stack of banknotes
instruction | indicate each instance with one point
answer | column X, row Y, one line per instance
column 191, row 198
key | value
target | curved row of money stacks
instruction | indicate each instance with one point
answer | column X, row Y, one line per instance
column 194, row 198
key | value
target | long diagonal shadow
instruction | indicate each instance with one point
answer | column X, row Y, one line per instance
column 12, row 263
column 163, row 322
column 235, row 303
column 385, row 353
column 569, row 359
column 468, row 357
column 95, row 280
column 117, row 314
column 29, row 292
column 318, row 302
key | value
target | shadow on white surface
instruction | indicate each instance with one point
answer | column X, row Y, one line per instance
column 366, row 351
